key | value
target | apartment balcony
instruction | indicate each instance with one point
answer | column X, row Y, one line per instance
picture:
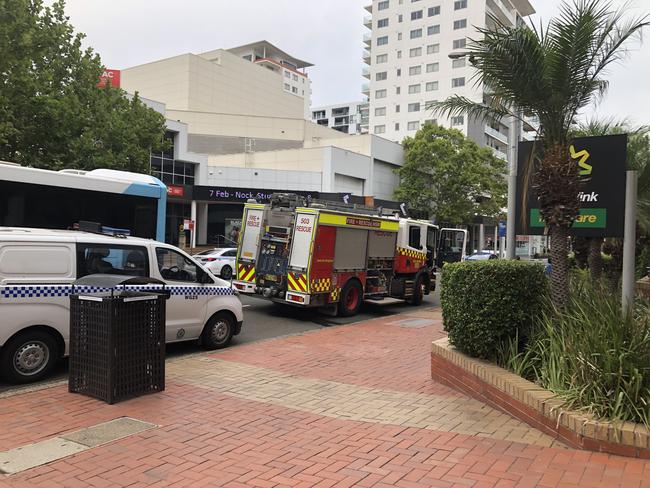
column 365, row 89
column 367, row 39
column 499, row 136
column 365, row 72
column 367, row 21
column 366, row 57
column 368, row 8
column 499, row 9
column 500, row 154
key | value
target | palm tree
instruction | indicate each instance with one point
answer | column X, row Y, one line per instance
column 551, row 73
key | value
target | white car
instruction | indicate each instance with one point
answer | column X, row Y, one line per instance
column 481, row 256
column 220, row 261
column 38, row 268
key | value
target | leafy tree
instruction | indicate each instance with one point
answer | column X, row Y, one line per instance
column 448, row 175
column 52, row 115
column 552, row 73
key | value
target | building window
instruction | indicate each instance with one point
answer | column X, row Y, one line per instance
column 431, row 121
column 458, row 120
column 433, row 29
column 287, row 86
column 416, row 15
column 460, row 24
column 456, row 82
column 433, row 67
column 399, row 54
column 294, row 89
column 429, row 105
column 415, row 70
column 433, row 48
column 458, row 63
column 415, row 125
column 432, row 86
column 398, row 90
column 399, row 72
column 383, row 5
column 460, row 43
column 397, row 107
column 382, row 41
column 415, row 33
column 380, row 129
column 400, row 18
column 399, row 36
column 415, row 52
column 381, row 76
column 414, row 88
column 318, row 115
column 295, row 77
column 414, row 107
column 460, row 4
column 287, row 74
column 382, row 23
column 169, row 171
column 434, row 11
column 380, row 111
column 382, row 58
column 396, row 125
column 380, row 94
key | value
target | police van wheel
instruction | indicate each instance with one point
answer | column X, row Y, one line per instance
column 226, row 272
column 218, row 332
column 29, row 357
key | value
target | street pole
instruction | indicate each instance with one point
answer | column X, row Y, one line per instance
column 629, row 242
column 512, row 189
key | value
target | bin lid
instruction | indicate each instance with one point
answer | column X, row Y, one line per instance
column 112, row 281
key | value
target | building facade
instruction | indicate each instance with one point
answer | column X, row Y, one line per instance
column 349, row 118
column 408, row 64
column 238, row 132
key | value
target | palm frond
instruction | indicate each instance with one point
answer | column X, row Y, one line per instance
column 459, row 105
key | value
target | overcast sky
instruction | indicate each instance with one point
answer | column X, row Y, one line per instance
column 327, row 33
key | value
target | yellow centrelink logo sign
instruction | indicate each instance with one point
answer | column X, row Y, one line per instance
column 582, row 158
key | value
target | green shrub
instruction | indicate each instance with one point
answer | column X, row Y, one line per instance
column 486, row 303
column 590, row 355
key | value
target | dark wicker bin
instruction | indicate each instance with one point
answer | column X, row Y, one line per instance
column 117, row 341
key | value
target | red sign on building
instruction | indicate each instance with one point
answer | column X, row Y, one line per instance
column 111, row 76
column 175, row 191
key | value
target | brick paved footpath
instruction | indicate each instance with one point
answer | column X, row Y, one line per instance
column 344, row 406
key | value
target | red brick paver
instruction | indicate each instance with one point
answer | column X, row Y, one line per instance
column 242, row 434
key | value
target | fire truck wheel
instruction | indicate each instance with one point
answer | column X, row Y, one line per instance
column 418, row 292
column 351, row 298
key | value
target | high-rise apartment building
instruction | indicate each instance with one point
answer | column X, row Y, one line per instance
column 349, row 118
column 408, row 65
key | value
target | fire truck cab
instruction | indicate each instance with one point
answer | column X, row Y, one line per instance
column 332, row 257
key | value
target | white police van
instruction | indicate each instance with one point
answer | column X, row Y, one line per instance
column 38, row 267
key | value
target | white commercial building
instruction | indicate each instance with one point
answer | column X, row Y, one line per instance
column 238, row 121
column 408, row 65
column 349, row 118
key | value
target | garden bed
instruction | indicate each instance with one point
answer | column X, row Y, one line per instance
column 534, row 405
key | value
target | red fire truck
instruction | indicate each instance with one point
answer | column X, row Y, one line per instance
column 332, row 256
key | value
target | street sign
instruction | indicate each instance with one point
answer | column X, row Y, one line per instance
column 601, row 161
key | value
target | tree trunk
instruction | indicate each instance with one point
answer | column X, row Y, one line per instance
column 559, row 265
column 595, row 258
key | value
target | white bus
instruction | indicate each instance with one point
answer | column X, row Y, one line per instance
column 46, row 199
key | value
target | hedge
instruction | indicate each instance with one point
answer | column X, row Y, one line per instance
column 485, row 303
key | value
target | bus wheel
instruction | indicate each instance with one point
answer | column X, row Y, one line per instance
column 29, row 357
column 351, row 298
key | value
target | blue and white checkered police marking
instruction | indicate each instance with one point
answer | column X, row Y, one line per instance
column 53, row 291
